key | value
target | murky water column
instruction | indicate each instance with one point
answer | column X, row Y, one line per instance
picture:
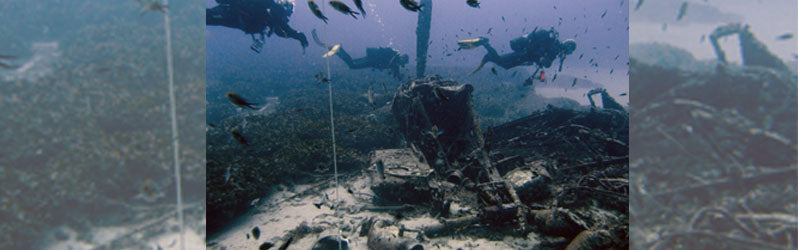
column 422, row 36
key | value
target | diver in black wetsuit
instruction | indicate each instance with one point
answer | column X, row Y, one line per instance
column 254, row 17
column 377, row 58
column 539, row 48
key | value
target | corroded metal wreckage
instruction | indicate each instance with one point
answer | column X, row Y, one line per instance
column 554, row 179
column 510, row 178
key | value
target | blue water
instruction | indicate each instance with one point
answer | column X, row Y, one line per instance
column 230, row 60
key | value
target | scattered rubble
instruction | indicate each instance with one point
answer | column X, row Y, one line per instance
column 557, row 178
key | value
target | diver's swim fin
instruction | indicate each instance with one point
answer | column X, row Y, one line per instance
column 472, row 43
column 317, row 40
column 478, row 68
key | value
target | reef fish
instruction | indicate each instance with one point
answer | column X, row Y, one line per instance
column 359, row 5
column 239, row 101
column 239, row 138
column 682, row 11
column 316, row 10
column 785, row 36
column 339, row 6
column 639, row 3
column 410, row 5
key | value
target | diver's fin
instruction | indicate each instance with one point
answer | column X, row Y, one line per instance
column 317, row 40
column 472, row 43
column 468, row 44
column 478, row 68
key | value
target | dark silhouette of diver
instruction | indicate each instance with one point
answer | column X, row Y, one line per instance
column 255, row 17
column 376, row 58
column 538, row 48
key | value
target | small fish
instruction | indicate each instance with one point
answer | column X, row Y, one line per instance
column 316, row 11
column 616, row 57
column 604, row 14
column 573, row 83
column 239, row 101
column 473, row 3
column 542, row 75
column 493, row 70
column 332, row 51
column 151, row 6
column 321, row 79
column 703, row 37
column 439, row 94
column 348, row 131
column 434, row 132
column 256, row 232
column 380, row 169
column 623, row 94
column 227, row 174
column 410, row 5
column 682, row 11
column 339, row 6
column 359, row 5
column 150, row 191
column 502, row 18
column 639, row 3
column 611, row 70
column 284, row 246
column 265, row 245
column 489, row 30
column 786, row 36
column 581, row 55
column 239, row 138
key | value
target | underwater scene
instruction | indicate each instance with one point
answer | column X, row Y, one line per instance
column 412, row 124
column 714, row 125
column 87, row 158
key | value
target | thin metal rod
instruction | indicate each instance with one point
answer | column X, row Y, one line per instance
column 175, row 141
column 332, row 134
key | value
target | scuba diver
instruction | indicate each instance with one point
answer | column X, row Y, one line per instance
column 255, row 17
column 377, row 58
column 539, row 48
